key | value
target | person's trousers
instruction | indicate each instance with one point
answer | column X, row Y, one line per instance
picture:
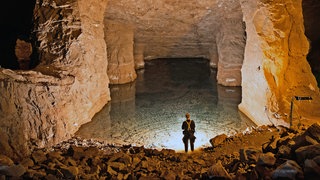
column 186, row 140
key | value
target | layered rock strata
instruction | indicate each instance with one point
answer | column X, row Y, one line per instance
column 275, row 68
column 46, row 105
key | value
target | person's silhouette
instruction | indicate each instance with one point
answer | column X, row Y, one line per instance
column 188, row 127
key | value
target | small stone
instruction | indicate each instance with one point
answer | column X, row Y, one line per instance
column 307, row 152
column 55, row 155
column 91, row 152
column 27, row 163
column 166, row 152
column 218, row 171
column 14, row 170
column 168, row 175
column 288, row 170
column 135, row 161
column 284, row 152
column 267, row 159
column 249, row 155
column 200, row 162
column 311, row 168
column 39, row 157
column 111, row 171
column 76, row 152
column 5, row 161
column 70, row 172
column 216, row 141
column 317, row 160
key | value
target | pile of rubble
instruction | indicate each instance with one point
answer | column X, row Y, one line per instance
column 288, row 154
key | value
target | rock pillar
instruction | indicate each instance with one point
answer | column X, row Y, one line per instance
column 275, row 67
column 213, row 56
column 139, row 56
column 121, row 65
column 230, row 45
column 46, row 105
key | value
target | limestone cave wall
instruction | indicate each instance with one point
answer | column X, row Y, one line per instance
column 177, row 29
column 275, row 68
column 48, row 104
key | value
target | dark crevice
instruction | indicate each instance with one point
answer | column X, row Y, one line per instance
column 311, row 16
column 16, row 23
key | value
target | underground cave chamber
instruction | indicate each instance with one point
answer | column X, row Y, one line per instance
column 83, row 47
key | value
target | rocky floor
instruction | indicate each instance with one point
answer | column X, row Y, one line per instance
column 263, row 153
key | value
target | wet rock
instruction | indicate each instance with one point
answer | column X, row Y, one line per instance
column 13, row 170
column 216, row 141
column 288, row 170
column 218, row 171
column 267, row 159
column 307, row 152
column 5, row 161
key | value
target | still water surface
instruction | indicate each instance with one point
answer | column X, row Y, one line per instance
column 150, row 111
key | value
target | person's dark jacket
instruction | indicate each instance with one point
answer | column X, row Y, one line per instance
column 185, row 127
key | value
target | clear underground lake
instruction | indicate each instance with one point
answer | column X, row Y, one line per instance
column 149, row 112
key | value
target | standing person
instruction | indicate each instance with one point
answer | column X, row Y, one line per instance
column 188, row 127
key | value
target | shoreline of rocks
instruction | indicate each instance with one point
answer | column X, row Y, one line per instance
column 264, row 153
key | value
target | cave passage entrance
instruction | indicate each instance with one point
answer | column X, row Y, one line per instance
column 150, row 111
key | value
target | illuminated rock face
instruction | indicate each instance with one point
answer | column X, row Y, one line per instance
column 275, row 67
column 48, row 104
column 119, row 39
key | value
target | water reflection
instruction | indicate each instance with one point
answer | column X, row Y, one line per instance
column 150, row 110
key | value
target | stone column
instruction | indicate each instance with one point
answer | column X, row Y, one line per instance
column 139, row 55
column 119, row 39
column 230, row 45
column 275, row 67
column 214, row 56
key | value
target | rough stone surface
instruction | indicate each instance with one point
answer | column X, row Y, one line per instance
column 45, row 105
column 216, row 141
column 121, row 65
column 102, row 161
column 275, row 67
column 175, row 29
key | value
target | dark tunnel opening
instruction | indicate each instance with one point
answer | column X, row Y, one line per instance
column 16, row 20
column 311, row 16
